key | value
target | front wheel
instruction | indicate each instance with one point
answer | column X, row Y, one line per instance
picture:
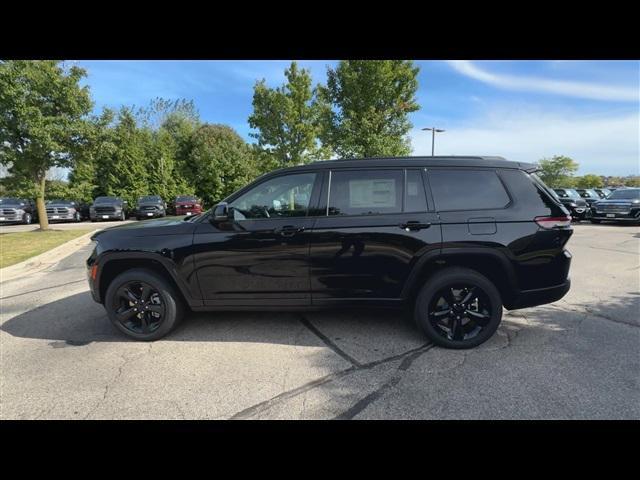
column 458, row 308
column 27, row 219
column 77, row 217
column 143, row 305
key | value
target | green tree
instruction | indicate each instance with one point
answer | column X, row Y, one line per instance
column 222, row 162
column 558, row 171
column 286, row 118
column 589, row 181
column 42, row 110
column 632, row 181
column 365, row 105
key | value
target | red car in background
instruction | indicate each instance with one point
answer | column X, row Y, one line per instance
column 187, row 205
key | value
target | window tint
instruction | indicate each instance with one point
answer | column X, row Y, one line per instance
column 285, row 196
column 467, row 189
column 365, row 192
column 415, row 199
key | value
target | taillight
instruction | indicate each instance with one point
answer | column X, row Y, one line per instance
column 94, row 272
column 550, row 223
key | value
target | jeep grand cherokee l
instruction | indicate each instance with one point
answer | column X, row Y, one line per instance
column 454, row 238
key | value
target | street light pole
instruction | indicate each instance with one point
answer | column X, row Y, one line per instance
column 433, row 137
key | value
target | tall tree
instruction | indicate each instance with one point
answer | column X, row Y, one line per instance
column 558, row 171
column 365, row 107
column 286, row 118
column 42, row 110
column 222, row 162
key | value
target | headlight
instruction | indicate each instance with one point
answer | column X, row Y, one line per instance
column 573, row 205
column 20, row 210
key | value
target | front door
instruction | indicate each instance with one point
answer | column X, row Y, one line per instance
column 377, row 224
column 260, row 256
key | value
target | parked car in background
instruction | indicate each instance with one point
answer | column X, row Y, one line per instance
column 187, row 205
column 572, row 200
column 590, row 195
column 453, row 238
column 150, row 206
column 603, row 192
column 623, row 205
column 63, row 210
column 108, row 208
column 17, row 210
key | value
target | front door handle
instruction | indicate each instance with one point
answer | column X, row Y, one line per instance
column 289, row 230
column 414, row 225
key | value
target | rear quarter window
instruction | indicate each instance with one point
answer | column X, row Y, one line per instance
column 467, row 190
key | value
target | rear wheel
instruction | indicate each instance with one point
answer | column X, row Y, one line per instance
column 458, row 308
column 143, row 305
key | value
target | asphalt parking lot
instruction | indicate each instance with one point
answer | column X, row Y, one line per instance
column 578, row 358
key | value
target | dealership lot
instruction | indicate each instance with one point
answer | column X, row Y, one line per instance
column 577, row 358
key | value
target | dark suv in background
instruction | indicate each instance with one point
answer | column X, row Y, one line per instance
column 572, row 200
column 590, row 195
column 622, row 205
column 17, row 210
column 453, row 238
column 150, row 206
column 108, row 208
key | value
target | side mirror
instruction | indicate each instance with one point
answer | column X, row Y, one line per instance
column 221, row 212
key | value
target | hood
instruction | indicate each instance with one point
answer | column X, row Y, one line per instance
column 61, row 204
column 160, row 226
column 578, row 201
column 618, row 201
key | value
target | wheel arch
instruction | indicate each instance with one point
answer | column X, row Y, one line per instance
column 490, row 263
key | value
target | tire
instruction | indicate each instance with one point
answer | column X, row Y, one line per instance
column 170, row 303
column 77, row 217
column 123, row 217
column 593, row 220
column 27, row 219
column 486, row 303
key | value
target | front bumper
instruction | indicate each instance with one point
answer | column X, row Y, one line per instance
column 106, row 216
column 581, row 213
column 633, row 215
column 149, row 214
column 58, row 217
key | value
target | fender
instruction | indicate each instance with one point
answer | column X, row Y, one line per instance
column 168, row 265
column 441, row 256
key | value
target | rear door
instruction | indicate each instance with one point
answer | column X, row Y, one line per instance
column 376, row 223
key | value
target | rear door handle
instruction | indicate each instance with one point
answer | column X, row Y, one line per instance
column 414, row 225
column 289, row 230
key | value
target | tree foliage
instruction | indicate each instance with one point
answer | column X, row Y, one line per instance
column 42, row 110
column 365, row 105
column 589, row 181
column 558, row 171
column 286, row 118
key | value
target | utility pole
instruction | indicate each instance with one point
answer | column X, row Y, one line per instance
column 433, row 137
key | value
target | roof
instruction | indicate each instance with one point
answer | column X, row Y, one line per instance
column 437, row 161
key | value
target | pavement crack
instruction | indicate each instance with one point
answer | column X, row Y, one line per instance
column 363, row 403
column 329, row 343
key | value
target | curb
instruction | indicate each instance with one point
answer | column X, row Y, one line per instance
column 45, row 259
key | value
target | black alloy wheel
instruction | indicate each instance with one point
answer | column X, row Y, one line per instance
column 458, row 308
column 138, row 307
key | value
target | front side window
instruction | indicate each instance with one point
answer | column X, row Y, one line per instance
column 467, row 190
column 285, row 196
column 365, row 192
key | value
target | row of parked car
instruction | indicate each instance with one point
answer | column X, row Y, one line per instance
column 21, row 210
column 598, row 204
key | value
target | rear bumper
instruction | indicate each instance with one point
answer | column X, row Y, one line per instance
column 539, row 296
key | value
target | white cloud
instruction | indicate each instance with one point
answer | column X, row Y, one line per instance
column 592, row 91
column 605, row 144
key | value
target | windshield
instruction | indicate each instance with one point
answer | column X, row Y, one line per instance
column 59, row 202
column 626, row 194
column 588, row 194
column 150, row 198
column 567, row 192
column 11, row 201
column 107, row 200
column 186, row 199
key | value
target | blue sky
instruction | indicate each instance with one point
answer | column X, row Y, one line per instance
column 522, row 110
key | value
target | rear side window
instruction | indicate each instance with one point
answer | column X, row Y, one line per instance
column 415, row 199
column 365, row 192
column 467, row 190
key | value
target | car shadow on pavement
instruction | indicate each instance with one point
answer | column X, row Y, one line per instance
column 78, row 320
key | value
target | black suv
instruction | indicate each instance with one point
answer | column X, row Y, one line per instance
column 150, row 206
column 590, row 195
column 108, row 208
column 574, row 203
column 453, row 238
column 17, row 210
column 622, row 205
